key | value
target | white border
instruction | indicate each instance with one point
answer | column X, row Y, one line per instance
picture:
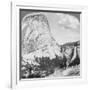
column 15, row 82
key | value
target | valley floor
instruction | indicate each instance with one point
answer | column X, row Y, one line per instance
column 71, row 71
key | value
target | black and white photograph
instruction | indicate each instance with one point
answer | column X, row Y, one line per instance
column 49, row 44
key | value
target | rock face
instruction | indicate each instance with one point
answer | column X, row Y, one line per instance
column 41, row 54
column 72, row 52
column 35, row 32
column 37, row 38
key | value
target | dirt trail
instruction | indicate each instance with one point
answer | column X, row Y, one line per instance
column 71, row 71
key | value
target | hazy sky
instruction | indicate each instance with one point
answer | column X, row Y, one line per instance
column 65, row 27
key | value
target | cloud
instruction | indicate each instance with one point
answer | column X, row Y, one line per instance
column 68, row 21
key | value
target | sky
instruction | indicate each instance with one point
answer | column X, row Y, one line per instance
column 64, row 26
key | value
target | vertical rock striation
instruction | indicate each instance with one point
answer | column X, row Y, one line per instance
column 37, row 38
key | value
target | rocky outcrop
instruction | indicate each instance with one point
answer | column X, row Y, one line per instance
column 37, row 40
column 35, row 32
column 72, row 52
